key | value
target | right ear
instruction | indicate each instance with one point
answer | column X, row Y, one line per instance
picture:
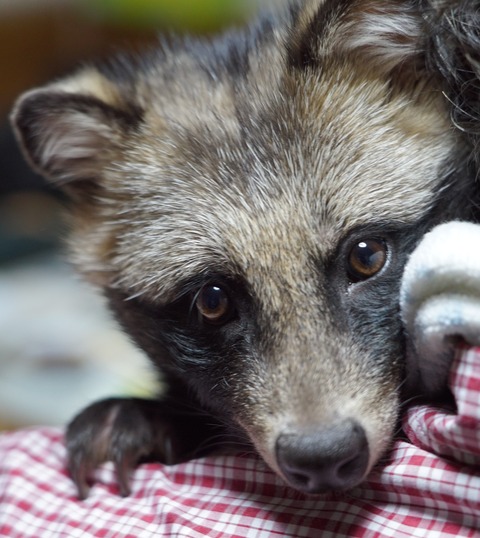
column 70, row 130
column 382, row 36
column 455, row 54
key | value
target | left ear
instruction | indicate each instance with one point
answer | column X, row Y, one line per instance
column 70, row 130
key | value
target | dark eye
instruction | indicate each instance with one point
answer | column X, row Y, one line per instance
column 213, row 304
column 366, row 259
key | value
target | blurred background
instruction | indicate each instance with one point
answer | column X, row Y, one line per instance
column 59, row 349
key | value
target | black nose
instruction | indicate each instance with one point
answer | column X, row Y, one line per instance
column 332, row 459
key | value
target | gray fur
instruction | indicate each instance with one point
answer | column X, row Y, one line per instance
column 260, row 159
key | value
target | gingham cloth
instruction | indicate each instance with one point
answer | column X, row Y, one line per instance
column 429, row 487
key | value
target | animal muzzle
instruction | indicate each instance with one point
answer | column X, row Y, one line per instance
column 317, row 461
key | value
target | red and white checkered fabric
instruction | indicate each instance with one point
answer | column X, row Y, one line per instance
column 429, row 487
column 456, row 436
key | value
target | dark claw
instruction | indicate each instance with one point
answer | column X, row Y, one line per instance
column 79, row 474
column 118, row 430
column 122, row 470
column 168, row 450
column 129, row 431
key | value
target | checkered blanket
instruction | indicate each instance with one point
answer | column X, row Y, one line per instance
column 430, row 486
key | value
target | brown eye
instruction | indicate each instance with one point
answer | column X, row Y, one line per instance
column 213, row 304
column 366, row 259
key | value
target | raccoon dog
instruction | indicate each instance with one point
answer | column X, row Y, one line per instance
column 247, row 205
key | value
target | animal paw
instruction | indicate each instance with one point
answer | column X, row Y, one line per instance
column 125, row 431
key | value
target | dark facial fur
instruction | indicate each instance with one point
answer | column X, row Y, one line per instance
column 249, row 177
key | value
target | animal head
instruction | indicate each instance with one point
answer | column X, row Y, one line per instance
column 248, row 204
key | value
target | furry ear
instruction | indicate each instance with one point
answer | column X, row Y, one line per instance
column 70, row 129
column 455, row 54
column 380, row 35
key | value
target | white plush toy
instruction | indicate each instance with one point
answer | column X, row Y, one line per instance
column 440, row 301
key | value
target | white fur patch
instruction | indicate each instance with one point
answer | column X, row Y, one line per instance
column 69, row 140
column 89, row 81
column 386, row 33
